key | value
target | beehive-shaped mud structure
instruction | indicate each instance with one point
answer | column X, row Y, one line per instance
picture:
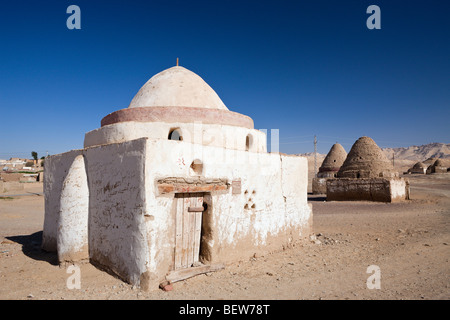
column 418, row 167
column 333, row 161
column 439, row 166
column 329, row 168
column 366, row 160
column 367, row 174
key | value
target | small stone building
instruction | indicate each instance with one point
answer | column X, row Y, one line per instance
column 367, row 174
column 172, row 183
column 329, row 168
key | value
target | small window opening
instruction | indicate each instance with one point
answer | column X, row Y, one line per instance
column 196, row 167
column 175, row 134
column 248, row 142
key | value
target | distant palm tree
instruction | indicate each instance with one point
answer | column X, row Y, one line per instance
column 35, row 156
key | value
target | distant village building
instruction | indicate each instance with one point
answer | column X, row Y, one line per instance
column 13, row 164
column 431, row 165
column 329, row 168
column 419, row 167
column 174, row 184
column 430, row 161
column 439, row 166
column 367, row 174
column 14, row 174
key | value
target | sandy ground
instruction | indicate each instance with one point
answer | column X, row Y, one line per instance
column 409, row 242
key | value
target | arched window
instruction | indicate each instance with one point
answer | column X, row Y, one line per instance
column 175, row 134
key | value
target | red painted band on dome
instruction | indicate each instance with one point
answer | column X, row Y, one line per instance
column 179, row 114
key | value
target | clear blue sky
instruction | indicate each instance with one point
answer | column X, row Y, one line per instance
column 304, row 67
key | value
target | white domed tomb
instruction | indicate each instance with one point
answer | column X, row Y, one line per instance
column 174, row 184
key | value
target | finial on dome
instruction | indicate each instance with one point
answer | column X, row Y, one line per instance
column 177, row 62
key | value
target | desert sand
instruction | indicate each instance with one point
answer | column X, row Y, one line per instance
column 408, row 241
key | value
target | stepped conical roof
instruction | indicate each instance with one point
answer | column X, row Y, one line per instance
column 439, row 163
column 420, row 165
column 366, row 160
column 334, row 159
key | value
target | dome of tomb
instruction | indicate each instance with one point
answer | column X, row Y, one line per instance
column 430, row 161
column 177, row 95
column 334, row 159
column 177, row 87
column 439, row 163
column 366, row 160
column 420, row 165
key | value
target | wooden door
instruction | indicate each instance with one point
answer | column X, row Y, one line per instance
column 188, row 229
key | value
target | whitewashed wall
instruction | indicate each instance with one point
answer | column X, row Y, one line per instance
column 131, row 228
column 117, row 233
column 229, row 137
column 398, row 189
column 72, row 222
column 56, row 170
column 275, row 185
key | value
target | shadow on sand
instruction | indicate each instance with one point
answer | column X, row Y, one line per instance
column 31, row 247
